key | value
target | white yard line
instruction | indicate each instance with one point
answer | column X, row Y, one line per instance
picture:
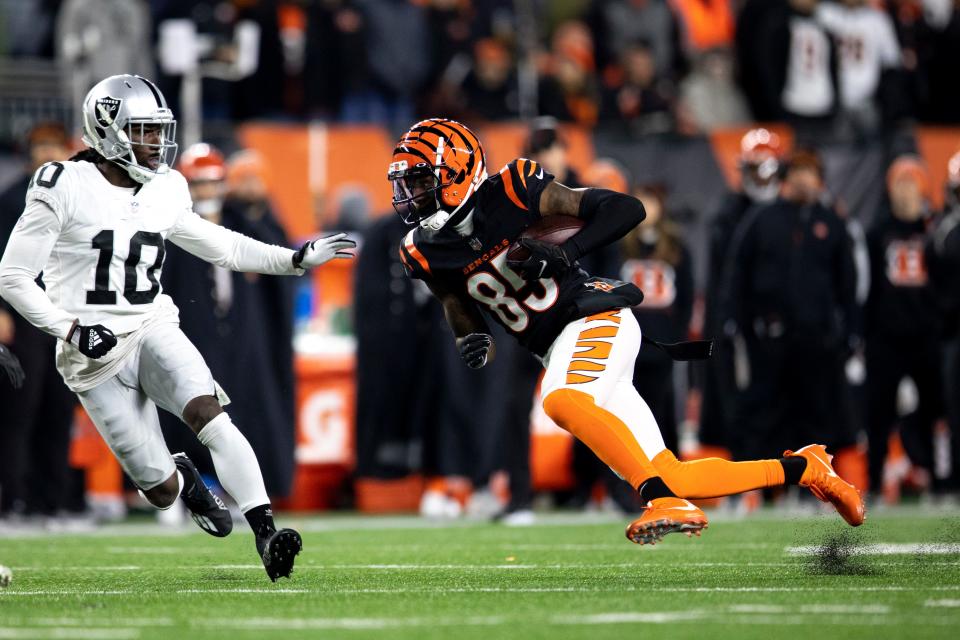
column 506, row 547
column 949, row 603
column 80, row 567
column 630, row 617
column 740, row 615
column 871, row 609
column 84, row 622
column 11, row 593
column 459, row 567
column 752, row 614
column 885, row 549
column 349, row 623
column 67, row 633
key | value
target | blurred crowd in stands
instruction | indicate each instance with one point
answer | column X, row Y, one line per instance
column 638, row 66
column 831, row 327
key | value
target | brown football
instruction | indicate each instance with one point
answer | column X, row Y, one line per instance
column 550, row 229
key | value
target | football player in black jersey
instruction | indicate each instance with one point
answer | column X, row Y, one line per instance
column 464, row 224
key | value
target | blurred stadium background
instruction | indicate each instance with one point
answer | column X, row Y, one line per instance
column 361, row 402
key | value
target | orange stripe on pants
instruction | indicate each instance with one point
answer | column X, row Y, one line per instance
column 714, row 477
column 605, row 434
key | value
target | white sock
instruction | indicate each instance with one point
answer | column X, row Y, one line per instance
column 179, row 489
column 235, row 462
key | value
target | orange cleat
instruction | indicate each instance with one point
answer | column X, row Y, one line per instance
column 824, row 482
column 666, row 515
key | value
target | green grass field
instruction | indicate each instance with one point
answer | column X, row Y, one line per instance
column 766, row 576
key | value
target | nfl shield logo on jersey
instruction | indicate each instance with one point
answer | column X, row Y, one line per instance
column 107, row 109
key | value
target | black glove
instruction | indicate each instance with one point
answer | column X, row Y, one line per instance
column 545, row 260
column 93, row 341
column 474, row 349
column 11, row 365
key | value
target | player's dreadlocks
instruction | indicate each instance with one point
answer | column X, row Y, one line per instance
column 86, row 155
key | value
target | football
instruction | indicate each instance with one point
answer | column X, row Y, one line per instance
column 551, row 229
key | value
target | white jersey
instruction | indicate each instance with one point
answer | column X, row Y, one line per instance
column 101, row 248
column 868, row 44
column 808, row 90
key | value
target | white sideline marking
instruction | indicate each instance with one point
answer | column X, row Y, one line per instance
column 7, row 593
column 464, row 567
column 686, row 549
column 85, row 622
column 739, row 615
column 67, row 633
column 946, row 602
column 885, row 549
column 554, row 565
column 781, row 620
column 348, row 623
column 79, row 567
column 872, row 609
column 628, row 617
column 736, row 614
column 140, row 592
column 739, row 546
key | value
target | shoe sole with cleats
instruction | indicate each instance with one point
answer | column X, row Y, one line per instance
column 280, row 552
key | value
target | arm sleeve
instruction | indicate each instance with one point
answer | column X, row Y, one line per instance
column 27, row 251
column 608, row 215
column 229, row 249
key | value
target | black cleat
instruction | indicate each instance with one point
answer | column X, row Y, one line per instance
column 206, row 507
column 278, row 551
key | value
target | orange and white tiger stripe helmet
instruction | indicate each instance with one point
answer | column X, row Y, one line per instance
column 437, row 166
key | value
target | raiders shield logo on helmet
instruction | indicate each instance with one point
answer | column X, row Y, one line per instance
column 107, row 109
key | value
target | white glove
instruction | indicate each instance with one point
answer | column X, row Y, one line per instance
column 316, row 252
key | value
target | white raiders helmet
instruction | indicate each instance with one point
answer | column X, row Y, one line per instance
column 117, row 111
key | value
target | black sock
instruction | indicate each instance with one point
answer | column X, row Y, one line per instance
column 261, row 520
column 189, row 482
column 654, row 488
column 793, row 468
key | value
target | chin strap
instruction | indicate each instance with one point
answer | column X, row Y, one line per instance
column 436, row 221
column 137, row 172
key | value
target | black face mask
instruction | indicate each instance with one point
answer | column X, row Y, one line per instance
column 416, row 194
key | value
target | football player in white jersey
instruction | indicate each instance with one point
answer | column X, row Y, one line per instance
column 95, row 228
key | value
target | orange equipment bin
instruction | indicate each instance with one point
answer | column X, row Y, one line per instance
column 325, row 424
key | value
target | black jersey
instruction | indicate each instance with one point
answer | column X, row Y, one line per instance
column 534, row 311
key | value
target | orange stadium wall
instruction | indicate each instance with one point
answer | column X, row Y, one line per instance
column 308, row 165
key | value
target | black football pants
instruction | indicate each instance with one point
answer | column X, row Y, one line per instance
column 797, row 395
column 889, row 360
